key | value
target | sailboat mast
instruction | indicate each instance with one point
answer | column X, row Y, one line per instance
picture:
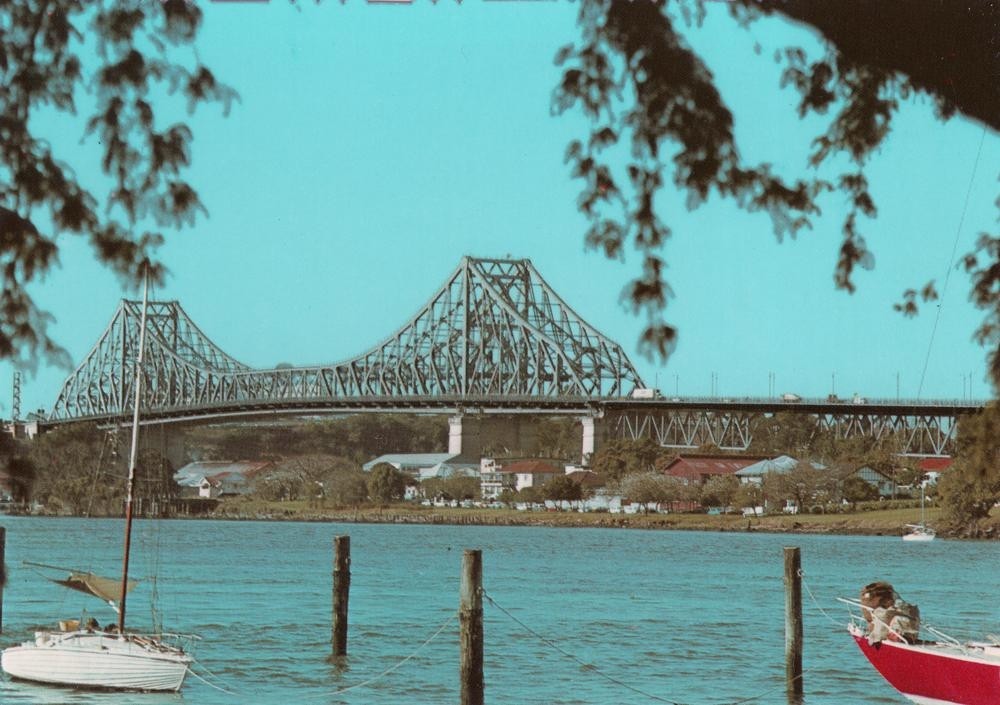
column 133, row 454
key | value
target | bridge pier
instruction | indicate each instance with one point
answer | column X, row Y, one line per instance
column 475, row 436
column 589, row 424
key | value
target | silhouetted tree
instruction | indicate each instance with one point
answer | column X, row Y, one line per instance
column 122, row 54
column 22, row 474
column 638, row 81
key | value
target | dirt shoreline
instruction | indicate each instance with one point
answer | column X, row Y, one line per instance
column 877, row 523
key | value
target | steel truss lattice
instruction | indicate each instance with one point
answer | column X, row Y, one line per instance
column 918, row 434
column 495, row 330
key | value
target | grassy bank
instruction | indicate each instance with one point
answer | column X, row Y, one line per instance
column 888, row 522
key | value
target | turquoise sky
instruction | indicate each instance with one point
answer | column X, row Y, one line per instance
column 374, row 145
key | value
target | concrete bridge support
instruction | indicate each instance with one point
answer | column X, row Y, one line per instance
column 475, row 436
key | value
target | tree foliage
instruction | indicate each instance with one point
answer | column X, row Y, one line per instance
column 562, row 488
column 81, row 470
column 854, row 489
column 354, row 438
column 621, row 457
column 385, row 484
column 971, row 486
column 639, row 83
column 114, row 61
column 720, row 491
column 459, row 487
column 651, row 488
column 804, row 484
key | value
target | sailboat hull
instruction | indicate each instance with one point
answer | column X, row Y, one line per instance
column 937, row 673
column 97, row 660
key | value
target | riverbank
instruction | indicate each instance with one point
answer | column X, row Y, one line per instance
column 889, row 522
column 881, row 522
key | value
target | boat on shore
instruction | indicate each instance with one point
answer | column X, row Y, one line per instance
column 942, row 671
column 110, row 658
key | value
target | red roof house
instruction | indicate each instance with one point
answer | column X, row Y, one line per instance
column 697, row 469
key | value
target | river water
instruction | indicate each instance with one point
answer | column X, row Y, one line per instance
column 690, row 617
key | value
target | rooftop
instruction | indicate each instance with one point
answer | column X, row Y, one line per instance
column 694, row 466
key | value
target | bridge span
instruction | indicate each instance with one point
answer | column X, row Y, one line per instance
column 494, row 345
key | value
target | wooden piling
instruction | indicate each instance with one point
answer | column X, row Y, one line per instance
column 793, row 624
column 341, row 591
column 3, row 570
column 470, row 619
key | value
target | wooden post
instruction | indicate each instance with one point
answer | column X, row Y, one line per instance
column 793, row 624
column 341, row 590
column 470, row 621
column 3, row 570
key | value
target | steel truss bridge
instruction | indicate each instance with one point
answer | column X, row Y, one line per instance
column 495, row 339
column 924, row 428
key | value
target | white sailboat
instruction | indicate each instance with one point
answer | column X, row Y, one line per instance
column 110, row 658
column 920, row 532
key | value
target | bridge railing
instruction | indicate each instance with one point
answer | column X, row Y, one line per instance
column 807, row 401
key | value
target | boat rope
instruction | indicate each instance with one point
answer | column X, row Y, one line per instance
column 208, row 682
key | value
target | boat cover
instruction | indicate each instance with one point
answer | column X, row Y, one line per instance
column 107, row 589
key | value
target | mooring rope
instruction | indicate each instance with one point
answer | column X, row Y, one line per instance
column 587, row 666
column 383, row 674
column 209, row 683
column 816, row 604
column 617, row 681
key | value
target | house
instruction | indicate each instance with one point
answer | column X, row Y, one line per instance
column 423, row 466
column 532, row 473
column 933, row 467
column 211, row 479
column 884, row 484
column 493, row 482
column 782, row 464
column 588, row 480
column 697, row 469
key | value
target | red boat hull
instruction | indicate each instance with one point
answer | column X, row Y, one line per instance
column 927, row 675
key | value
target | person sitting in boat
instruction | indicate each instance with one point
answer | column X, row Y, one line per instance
column 888, row 615
column 92, row 625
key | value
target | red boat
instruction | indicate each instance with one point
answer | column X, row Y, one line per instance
column 942, row 672
column 938, row 672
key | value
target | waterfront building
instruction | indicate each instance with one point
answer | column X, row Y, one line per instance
column 424, row 466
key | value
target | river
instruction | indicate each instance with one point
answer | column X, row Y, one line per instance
column 691, row 617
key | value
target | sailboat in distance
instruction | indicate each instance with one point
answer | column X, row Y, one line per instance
column 86, row 656
column 920, row 532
